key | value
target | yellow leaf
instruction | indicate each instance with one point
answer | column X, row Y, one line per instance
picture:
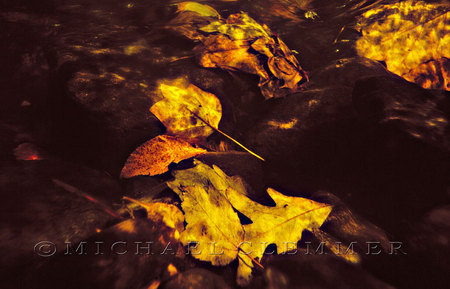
column 412, row 38
column 202, row 9
column 238, row 27
column 180, row 99
column 155, row 156
column 209, row 200
column 281, row 225
column 211, row 222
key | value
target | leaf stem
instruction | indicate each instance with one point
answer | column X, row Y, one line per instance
column 227, row 136
column 253, row 259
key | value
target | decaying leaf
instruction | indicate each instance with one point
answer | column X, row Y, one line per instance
column 163, row 213
column 154, row 156
column 412, row 38
column 180, row 100
column 240, row 43
column 209, row 200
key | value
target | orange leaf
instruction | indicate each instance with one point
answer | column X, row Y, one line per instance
column 155, row 156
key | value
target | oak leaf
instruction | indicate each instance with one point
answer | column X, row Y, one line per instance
column 281, row 225
column 154, row 156
column 182, row 100
column 210, row 201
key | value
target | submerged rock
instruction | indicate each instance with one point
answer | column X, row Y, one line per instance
column 197, row 278
column 358, row 139
column 318, row 271
column 397, row 103
column 35, row 208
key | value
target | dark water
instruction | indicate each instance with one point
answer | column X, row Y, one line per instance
column 72, row 85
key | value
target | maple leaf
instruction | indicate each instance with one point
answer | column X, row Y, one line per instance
column 180, row 100
column 240, row 43
column 412, row 38
column 154, row 156
column 210, row 199
column 209, row 215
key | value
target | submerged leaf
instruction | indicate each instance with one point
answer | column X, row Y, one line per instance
column 412, row 38
column 240, row 43
column 202, row 9
column 162, row 213
column 154, row 157
column 238, row 27
column 209, row 200
column 180, row 100
column 221, row 51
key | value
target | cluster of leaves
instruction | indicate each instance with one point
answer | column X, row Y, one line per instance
column 190, row 114
column 180, row 108
column 412, row 38
column 211, row 201
column 210, row 198
column 239, row 43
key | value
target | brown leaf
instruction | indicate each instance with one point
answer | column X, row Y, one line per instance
column 220, row 51
column 155, row 156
